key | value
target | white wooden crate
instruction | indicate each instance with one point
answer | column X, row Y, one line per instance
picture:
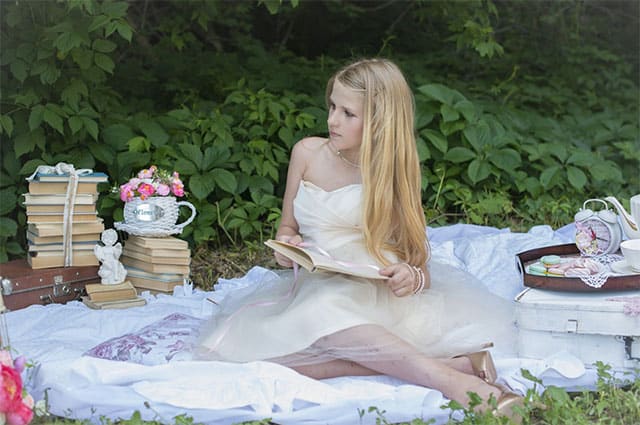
column 591, row 326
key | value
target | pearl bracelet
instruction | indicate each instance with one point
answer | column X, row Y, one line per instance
column 420, row 280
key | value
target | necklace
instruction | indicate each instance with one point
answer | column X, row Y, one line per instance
column 342, row 157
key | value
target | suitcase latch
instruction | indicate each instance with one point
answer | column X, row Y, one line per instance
column 571, row 326
column 59, row 287
column 7, row 286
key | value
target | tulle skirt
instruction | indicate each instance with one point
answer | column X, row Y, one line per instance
column 313, row 318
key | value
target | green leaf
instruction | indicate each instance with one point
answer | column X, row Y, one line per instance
column 104, row 62
column 6, row 123
column 102, row 152
column 226, row 180
column 124, row 30
column 73, row 93
column 117, row 135
column 193, row 153
column 467, row 109
column 104, row 46
column 91, row 126
column 8, row 227
column 272, row 5
column 154, row 132
column 83, row 57
column 448, row 113
column 8, row 200
column 19, row 70
column 99, row 22
column 201, row 185
column 437, row 139
column 576, row 177
column 478, row 170
column 441, row 93
column 185, row 167
column 69, row 40
column 546, row 177
column 139, row 144
column 477, row 135
column 115, row 9
column 459, row 154
column 53, row 119
column 505, row 159
column 75, row 124
column 14, row 248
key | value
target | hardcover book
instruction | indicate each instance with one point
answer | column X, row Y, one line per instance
column 168, row 242
column 59, row 209
column 57, row 247
column 96, row 177
column 121, row 291
column 117, row 304
column 155, row 284
column 181, row 257
column 154, row 268
column 52, row 188
column 55, row 229
column 57, row 239
column 59, row 218
column 43, row 260
column 316, row 261
column 54, row 199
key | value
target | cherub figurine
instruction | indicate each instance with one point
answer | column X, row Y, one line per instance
column 111, row 270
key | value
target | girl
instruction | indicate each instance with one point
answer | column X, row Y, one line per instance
column 356, row 195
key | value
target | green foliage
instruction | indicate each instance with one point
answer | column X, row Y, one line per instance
column 524, row 109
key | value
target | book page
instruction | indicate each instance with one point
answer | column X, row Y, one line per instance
column 314, row 260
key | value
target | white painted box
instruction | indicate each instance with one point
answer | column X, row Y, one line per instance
column 591, row 326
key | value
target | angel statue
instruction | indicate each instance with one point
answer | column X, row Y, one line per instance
column 111, row 269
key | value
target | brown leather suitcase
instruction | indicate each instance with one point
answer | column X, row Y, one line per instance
column 23, row 286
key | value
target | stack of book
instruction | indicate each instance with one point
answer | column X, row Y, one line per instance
column 156, row 264
column 45, row 203
column 121, row 295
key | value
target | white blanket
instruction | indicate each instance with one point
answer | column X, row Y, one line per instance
column 54, row 338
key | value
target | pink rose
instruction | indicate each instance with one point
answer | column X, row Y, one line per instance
column 10, row 389
column 22, row 414
column 147, row 173
column 146, row 190
column 163, row 189
column 177, row 189
column 126, row 192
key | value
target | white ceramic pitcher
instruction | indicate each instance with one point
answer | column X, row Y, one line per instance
column 630, row 222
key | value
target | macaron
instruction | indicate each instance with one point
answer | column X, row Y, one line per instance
column 550, row 260
column 537, row 269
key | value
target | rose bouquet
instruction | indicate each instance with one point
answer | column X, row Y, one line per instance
column 16, row 405
column 152, row 181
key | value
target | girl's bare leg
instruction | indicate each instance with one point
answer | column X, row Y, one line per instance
column 395, row 357
column 339, row 367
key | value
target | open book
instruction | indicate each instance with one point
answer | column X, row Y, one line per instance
column 314, row 260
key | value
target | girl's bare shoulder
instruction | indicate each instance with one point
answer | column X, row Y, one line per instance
column 310, row 145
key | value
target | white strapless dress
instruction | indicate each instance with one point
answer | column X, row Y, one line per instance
column 322, row 316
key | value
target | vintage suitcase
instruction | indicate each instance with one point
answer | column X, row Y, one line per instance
column 22, row 286
column 591, row 326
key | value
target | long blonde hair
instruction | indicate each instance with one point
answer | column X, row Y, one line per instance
column 393, row 218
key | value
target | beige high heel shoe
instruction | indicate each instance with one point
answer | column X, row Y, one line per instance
column 482, row 365
column 507, row 404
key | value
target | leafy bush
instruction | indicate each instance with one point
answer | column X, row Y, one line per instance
column 220, row 92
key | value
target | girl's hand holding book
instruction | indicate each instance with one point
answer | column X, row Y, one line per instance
column 292, row 239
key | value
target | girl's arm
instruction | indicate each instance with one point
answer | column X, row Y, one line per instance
column 288, row 230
